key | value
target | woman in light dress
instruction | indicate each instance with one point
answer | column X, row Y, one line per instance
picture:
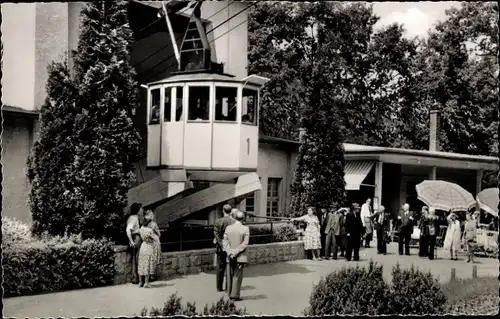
column 312, row 233
column 150, row 251
column 453, row 235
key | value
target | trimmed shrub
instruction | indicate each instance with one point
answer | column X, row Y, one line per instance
column 350, row 291
column 174, row 307
column 56, row 264
column 260, row 235
column 415, row 292
column 285, row 233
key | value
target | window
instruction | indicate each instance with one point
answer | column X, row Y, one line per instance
column 249, row 107
column 273, row 198
column 250, row 203
column 179, row 104
column 199, row 103
column 167, row 105
column 225, row 104
column 155, row 107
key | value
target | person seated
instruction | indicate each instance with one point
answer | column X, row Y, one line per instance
column 155, row 115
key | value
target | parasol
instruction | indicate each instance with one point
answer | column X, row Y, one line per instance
column 488, row 200
column 445, row 196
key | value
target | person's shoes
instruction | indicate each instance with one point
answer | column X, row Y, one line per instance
column 356, row 259
column 235, row 298
column 467, row 261
column 135, row 282
column 141, row 284
column 407, row 254
column 341, row 255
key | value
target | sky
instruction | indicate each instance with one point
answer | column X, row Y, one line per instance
column 417, row 17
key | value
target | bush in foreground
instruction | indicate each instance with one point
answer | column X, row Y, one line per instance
column 350, row 291
column 472, row 296
column 415, row 292
column 50, row 264
column 15, row 232
column 174, row 307
column 363, row 291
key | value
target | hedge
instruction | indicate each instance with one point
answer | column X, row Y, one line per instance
column 49, row 264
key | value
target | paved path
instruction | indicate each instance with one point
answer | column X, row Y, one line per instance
column 281, row 288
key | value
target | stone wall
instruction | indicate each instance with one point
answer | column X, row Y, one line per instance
column 196, row 261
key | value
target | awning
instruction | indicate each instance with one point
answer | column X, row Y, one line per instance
column 219, row 193
column 355, row 173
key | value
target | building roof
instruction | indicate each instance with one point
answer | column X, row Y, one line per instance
column 366, row 149
column 20, row 111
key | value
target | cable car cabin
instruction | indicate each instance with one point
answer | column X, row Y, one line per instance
column 203, row 125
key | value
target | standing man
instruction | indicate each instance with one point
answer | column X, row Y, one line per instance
column 366, row 219
column 134, row 222
column 235, row 243
column 323, row 220
column 431, row 224
column 422, row 242
column 353, row 229
column 219, row 229
column 332, row 231
column 404, row 228
column 381, row 223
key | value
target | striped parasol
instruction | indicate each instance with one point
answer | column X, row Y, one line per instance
column 445, row 196
column 488, row 200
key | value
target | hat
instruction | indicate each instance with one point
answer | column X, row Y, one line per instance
column 355, row 206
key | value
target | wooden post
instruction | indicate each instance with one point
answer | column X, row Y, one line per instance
column 479, row 179
column 474, row 272
column 453, row 274
column 378, row 185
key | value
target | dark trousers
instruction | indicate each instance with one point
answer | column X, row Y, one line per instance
column 323, row 251
column 352, row 248
column 423, row 246
column 221, row 269
column 404, row 239
column 135, row 257
column 381, row 242
column 431, row 241
column 234, row 278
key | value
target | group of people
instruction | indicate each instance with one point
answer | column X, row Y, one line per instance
column 344, row 229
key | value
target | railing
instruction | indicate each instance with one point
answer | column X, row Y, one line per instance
column 190, row 237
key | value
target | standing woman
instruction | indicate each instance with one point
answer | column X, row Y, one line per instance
column 150, row 251
column 422, row 242
column 453, row 234
column 469, row 236
column 312, row 233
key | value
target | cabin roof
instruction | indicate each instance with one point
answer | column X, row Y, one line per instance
column 195, row 77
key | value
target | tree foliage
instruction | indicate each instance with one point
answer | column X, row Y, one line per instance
column 92, row 183
column 390, row 82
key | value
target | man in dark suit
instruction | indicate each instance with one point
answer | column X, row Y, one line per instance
column 332, row 231
column 219, row 229
column 381, row 221
column 404, row 229
column 235, row 243
column 323, row 220
column 353, row 229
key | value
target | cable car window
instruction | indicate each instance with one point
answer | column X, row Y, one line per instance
column 179, row 104
column 225, row 104
column 167, row 106
column 249, row 107
column 199, row 103
column 155, row 107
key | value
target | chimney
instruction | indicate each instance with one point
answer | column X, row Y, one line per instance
column 302, row 132
column 434, row 131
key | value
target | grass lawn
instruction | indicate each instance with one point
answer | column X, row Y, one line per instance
column 473, row 296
